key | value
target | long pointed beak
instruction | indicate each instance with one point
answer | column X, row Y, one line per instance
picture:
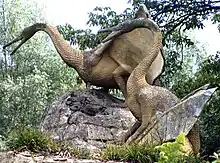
column 19, row 38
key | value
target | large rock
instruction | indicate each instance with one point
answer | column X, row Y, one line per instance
column 87, row 119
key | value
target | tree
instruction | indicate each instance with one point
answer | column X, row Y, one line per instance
column 210, row 119
column 37, row 75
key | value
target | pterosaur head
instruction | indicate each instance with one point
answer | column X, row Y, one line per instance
column 142, row 12
column 25, row 35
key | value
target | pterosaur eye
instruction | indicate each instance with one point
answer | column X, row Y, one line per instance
column 147, row 15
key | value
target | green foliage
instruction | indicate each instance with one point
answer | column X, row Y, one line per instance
column 82, row 38
column 181, row 61
column 105, row 17
column 36, row 76
column 25, row 138
column 80, row 153
column 132, row 153
column 101, row 16
column 171, row 151
column 187, row 14
column 210, row 118
column 3, row 142
column 192, row 159
column 216, row 156
column 165, row 153
column 24, row 96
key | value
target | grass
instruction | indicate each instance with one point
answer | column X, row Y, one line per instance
column 141, row 154
column 73, row 151
column 170, row 152
column 132, row 153
column 30, row 139
column 26, row 138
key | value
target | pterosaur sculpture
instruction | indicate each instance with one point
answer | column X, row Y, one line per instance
column 110, row 64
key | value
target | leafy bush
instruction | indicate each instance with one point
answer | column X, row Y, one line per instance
column 37, row 75
column 216, row 156
column 173, row 152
